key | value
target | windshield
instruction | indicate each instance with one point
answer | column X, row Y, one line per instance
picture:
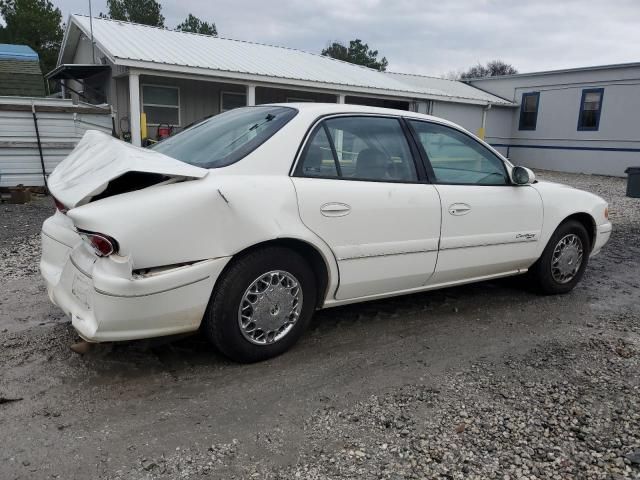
column 226, row 138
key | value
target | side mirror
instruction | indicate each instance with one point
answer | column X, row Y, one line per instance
column 522, row 176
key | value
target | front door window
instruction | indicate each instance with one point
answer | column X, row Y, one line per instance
column 456, row 158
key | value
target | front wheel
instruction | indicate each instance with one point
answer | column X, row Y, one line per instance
column 564, row 259
column 261, row 305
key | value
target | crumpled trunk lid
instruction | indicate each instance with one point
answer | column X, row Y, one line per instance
column 100, row 160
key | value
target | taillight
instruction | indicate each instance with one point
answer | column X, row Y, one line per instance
column 102, row 244
column 60, row 206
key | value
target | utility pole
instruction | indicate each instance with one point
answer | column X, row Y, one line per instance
column 93, row 50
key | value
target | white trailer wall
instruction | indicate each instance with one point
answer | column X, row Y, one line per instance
column 557, row 143
column 61, row 125
column 467, row 116
column 498, row 119
column 499, row 128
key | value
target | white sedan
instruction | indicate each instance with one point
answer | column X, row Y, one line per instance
column 245, row 224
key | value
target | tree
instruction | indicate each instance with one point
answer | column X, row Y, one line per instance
column 357, row 53
column 494, row 68
column 36, row 23
column 146, row 12
column 452, row 75
column 194, row 25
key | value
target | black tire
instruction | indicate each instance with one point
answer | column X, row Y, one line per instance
column 220, row 323
column 541, row 272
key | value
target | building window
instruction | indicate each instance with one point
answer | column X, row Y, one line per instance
column 231, row 100
column 161, row 104
column 529, row 111
column 590, row 108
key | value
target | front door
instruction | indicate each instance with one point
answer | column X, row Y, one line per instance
column 359, row 190
column 489, row 225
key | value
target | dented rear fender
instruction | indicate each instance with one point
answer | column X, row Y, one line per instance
column 186, row 222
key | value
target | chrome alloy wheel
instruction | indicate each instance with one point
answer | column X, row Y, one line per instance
column 270, row 307
column 567, row 258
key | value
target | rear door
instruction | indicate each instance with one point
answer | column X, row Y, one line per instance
column 361, row 191
column 489, row 225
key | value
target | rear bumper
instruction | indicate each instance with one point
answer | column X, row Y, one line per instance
column 603, row 233
column 107, row 303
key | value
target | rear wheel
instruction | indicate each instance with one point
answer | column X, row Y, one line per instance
column 261, row 305
column 564, row 259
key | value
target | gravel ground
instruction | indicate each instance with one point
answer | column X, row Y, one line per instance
column 20, row 236
column 481, row 381
column 18, row 222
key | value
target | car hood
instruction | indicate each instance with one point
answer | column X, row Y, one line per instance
column 545, row 183
column 546, row 186
column 99, row 159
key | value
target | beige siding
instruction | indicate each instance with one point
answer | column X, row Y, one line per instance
column 83, row 52
column 121, row 101
column 198, row 99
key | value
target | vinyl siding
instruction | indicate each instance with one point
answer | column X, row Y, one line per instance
column 59, row 133
column 198, row 99
column 556, row 143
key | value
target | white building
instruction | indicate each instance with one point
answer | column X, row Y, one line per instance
column 575, row 120
column 179, row 78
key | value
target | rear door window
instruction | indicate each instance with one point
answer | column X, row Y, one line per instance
column 359, row 148
column 319, row 161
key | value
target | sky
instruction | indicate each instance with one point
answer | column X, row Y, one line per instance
column 428, row 37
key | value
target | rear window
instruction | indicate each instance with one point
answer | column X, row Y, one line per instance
column 226, row 138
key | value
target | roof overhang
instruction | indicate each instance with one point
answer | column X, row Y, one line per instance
column 76, row 71
column 169, row 70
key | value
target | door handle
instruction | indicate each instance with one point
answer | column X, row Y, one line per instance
column 459, row 209
column 334, row 209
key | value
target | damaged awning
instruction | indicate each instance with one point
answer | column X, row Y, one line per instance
column 76, row 71
column 92, row 91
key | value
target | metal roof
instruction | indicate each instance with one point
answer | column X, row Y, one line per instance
column 20, row 71
column 593, row 68
column 451, row 88
column 10, row 65
column 17, row 52
column 153, row 48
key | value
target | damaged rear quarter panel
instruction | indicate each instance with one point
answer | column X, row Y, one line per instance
column 191, row 221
